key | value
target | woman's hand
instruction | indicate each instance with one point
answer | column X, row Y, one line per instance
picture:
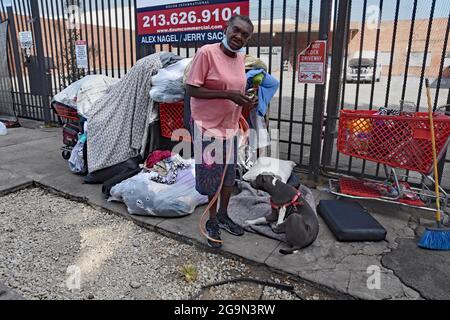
column 240, row 99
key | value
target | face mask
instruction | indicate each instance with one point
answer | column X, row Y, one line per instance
column 227, row 46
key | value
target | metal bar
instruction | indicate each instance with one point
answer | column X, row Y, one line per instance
column 132, row 37
column 41, row 58
column 377, row 46
column 111, row 38
column 294, row 73
column 441, row 66
column 55, row 51
column 73, row 38
column 272, row 4
column 408, row 54
column 17, row 64
column 48, row 52
column 294, row 143
column 105, row 51
column 99, row 45
column 138, row 56
column 86, row 36
column 388, row 90
column 349, row 15
column 293, row 121
column 306, row 86
column 375, row 70
column 68, row 50
column 361, row 47
column 35, row 107
column 319, row 98
column 425, row 56
column 259, row 27
column 19, row 18
column 124, row 38
column 117, row 41
column 3, row 14
column 14, row 85
column 280, row 100
column 94, row 59
column 335, row 14
column 60, row 36
column 334, row 92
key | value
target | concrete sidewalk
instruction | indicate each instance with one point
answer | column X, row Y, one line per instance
column 32, row 157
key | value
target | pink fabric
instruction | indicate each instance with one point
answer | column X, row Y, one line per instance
column 156, row 157
column 213, row 69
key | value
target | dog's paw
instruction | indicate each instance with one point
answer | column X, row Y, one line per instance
column 247, row 223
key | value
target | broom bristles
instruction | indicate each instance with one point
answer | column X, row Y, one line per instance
column 436, row 239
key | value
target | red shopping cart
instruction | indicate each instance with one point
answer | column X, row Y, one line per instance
column 72, row 127
column 397, row 142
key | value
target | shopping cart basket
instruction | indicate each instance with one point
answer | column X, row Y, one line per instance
column 72, row 126
column 397, row 142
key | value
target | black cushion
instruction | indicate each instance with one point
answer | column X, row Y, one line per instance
column 101, row 176
column 350, row 222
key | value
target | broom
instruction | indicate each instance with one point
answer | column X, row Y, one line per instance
column 435, row 238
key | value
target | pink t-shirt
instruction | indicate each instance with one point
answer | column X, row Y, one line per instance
column 213, row 69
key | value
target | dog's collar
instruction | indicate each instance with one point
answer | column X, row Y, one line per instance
column 294, row 202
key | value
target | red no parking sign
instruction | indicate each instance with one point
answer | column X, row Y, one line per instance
column 312, row 63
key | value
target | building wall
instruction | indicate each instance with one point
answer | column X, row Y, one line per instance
column 401, row 46
column 116, row 49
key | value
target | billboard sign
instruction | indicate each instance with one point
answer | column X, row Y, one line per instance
column 179, row 21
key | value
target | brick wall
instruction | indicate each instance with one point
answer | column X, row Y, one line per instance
column 401, row 45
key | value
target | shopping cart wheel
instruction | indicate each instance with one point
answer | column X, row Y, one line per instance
column 66, row 155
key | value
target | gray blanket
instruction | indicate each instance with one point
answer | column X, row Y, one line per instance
column 251, row 204
column 117, row 121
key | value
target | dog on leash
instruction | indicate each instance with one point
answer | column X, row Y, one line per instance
column 291, row 214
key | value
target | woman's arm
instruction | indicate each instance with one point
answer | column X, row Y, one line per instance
column 204, row 93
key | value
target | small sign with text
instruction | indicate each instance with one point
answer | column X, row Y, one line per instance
column 312, row 63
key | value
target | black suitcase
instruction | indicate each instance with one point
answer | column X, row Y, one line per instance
column 350, row 222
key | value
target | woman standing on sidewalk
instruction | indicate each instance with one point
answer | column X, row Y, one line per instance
column 217, row 83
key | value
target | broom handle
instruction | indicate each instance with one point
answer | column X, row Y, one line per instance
column 433, row 142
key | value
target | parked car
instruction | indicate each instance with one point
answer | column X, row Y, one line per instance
column 363, row 71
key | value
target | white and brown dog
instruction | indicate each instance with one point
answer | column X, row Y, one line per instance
column 291, row 214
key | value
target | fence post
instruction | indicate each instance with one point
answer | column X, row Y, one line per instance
column 16, row 53
column 319, row 97
column 340, row 38
column 41, row 59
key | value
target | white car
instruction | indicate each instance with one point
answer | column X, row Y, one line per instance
column 363, row 72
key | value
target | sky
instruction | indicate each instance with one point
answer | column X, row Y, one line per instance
column 423, row 12
column 389, row 6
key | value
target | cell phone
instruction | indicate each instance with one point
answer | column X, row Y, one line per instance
column 251, row 93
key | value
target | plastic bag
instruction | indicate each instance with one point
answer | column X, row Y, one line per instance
column 167, row 84
column 147, row 198
column 261, row 134
column 76, row 161
column 3, row 130
column 83, row 93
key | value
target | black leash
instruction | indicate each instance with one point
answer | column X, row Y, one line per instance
column 284, row 287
